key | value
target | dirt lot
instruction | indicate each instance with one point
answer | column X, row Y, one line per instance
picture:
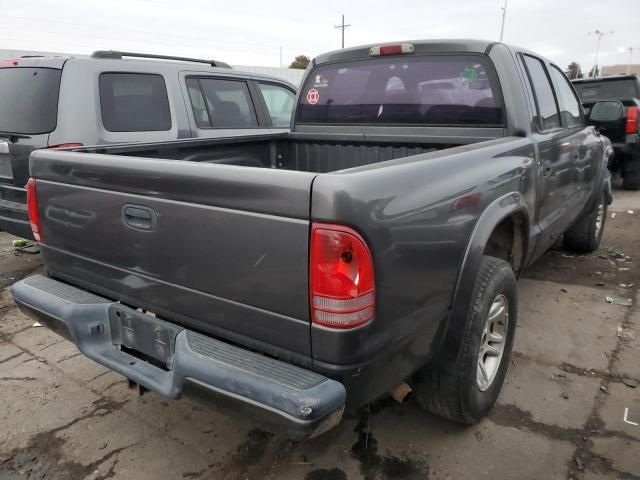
column 561, row 413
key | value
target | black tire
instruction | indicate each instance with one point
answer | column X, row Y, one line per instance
column 451, row 388
column 584, row 236
column 631, row 174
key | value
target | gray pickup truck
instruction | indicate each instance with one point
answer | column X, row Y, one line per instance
column 294, row 275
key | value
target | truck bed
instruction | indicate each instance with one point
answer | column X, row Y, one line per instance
column 219, row 231
column 322, row 154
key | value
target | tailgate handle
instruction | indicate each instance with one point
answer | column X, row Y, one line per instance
column 139, row 217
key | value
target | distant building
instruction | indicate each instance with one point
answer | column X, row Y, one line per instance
column 290, row 74
column 620, row 69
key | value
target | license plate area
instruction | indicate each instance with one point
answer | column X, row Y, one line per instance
column 142, row 333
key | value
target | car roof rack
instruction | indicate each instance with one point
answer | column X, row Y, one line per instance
column 117, row 55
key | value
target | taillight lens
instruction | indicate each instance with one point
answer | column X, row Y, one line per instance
column 65, row 145
column 341, row 277
column 32, row 207
column 632, row 120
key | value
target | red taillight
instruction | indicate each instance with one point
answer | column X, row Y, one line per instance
column 391, row 49
column 632, row 120
column 341, row 277
column 8, row 63
column 32, row 207
column 65, row 145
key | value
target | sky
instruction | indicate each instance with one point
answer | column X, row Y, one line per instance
column 255, row 32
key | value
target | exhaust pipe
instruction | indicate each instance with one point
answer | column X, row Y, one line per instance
column 401, row 392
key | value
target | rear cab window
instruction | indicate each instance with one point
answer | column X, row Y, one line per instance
column 29, row 99
column 427, row 90
column 608, row 90
column 134, row 102
column 221, row 103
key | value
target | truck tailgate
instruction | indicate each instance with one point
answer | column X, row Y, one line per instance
column 218, row 248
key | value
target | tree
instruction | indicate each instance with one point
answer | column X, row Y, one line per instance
column 597, row 72
column 574, row 71
column 300, row 62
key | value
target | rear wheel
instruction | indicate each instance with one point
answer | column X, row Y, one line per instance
column 465, row 388
column 585, row 235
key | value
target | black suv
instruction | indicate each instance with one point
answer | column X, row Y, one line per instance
column 624, row 134
column 122, row 97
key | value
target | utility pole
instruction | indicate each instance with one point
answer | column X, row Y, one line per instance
column 599, row 34
column 342, row 27
column 504, row 16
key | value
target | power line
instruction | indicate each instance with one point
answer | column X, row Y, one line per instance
column 129, row 30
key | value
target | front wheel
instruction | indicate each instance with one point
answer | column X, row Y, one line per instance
column 465, row 388
column 584, row 236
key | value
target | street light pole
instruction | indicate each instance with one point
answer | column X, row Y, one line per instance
column 629, row 63
column 343, row 27
column 599, row 34
column 504, row 16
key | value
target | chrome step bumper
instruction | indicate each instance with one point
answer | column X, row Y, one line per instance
column 172, row 361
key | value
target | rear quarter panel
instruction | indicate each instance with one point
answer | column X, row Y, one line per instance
column 417, row 215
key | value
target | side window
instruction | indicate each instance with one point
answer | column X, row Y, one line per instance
column 549, row 117
column 221, row 103
column 569, row 105
column 279, row 102
column 200, row 111
column 134, row 102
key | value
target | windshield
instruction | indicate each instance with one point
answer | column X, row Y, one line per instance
column 29, row 99
column 423, row 90
column 607, row 90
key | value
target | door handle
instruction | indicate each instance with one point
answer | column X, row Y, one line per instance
column 139, row 217
column 547, row 171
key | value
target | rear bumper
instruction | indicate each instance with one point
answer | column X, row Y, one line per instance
column 284, row 398
column 14, row 218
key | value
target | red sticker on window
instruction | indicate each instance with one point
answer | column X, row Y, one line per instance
column 313, row 96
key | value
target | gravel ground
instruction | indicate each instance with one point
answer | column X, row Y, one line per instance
column 561, row 413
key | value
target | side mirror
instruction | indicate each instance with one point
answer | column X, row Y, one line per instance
column 606, row 112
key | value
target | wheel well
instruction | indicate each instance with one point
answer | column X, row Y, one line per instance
column 507, row 241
